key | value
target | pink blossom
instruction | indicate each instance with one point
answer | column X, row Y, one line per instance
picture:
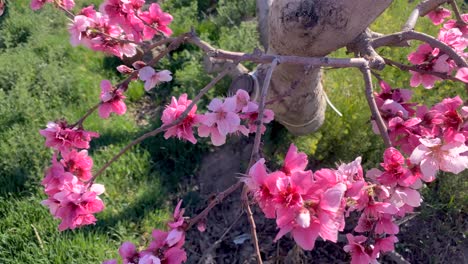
column 175, row 255
column 78, row 29
column 376, row 209
column 102, row 35
column 464, row 112
column 67, row 4
column 88, row 12
column 217, row 139
column 359, row 253
column 38, row 4
column 454, row 24
column 395, row 171
column 128, row 252
column 172, row 113
column 149, row 259
column 261, row 185
column 170, row 254
column 308, row 212
column 394, row 108
column 434, row 154
column 444, row 64
column 158, row 21
column 61, row 137
column 243, row 102
column 294, row 161
column 438, row 15
column 427, row 80
column 115, row 9
column 424, row 53
column 394, row 102
column 462, row 75
column 350, row 173
column 384, row 224
column 152, row 78
column 385, row 244
column 405, row 133
column 75, row 205
column 251, row 115
column 447, row 113
column 454, row 38
column 56, row 178
column 365, row 224
column 124, row 69
column 405, row 196
column 122, row 12
column 78, row 163
column 111, row 100
column 220, row 122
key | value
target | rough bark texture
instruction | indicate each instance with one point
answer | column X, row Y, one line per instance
column 309, row 28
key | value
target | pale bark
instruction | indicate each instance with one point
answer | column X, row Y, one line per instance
column 309, row 28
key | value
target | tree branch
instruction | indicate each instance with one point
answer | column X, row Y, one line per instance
column 456, row 10
column 217, row 200
column 217, row 242
column 396, row 38
column 362, row 47
column 421, row 10
column 265, row 58
column 373, row 106
column 261, row 109
column 414, row 68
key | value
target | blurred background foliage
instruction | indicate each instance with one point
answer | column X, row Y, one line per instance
column 43, row 78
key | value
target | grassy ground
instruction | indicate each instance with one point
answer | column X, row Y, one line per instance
column 43, row 78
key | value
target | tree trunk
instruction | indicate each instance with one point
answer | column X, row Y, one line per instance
column 308, row 28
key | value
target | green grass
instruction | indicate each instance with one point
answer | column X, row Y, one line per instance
column 43, row 78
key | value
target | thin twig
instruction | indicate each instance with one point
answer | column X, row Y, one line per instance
column 217, row 242
column 266, row 58
column 406, row 218
column 421, row 10
column 176, row 42
column 254, row 156
column 394, row 38
column 253, row 230
column 373, row 106
column 161, row 42
column 457, row 12
column 217, row 200
column 414, row 68
column 412, row 19
column 179, row 120
column 427, row 6
column 399, row 259
column 261, row 109
column 69, row 14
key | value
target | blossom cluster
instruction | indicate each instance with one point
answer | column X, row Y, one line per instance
column 304, row 204
column 165, row 248
column 112, row 98
column 435, row 138
column 315, row 204
column 231, row 115
column 429, row 59
column 117, row 28
column 72, row 197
